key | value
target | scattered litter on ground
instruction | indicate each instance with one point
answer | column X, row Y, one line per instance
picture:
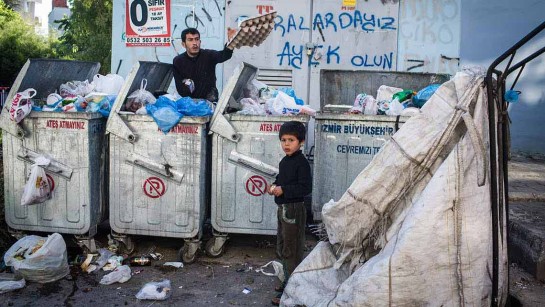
column 155, row 291
column 174, row 264
column 246, row 290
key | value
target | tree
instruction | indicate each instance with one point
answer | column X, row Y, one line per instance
column 88, row 32
column 18, row 42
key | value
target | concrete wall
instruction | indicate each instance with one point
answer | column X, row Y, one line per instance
column 489, row 28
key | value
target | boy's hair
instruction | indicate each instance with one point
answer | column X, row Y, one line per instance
column 294, row 128
column 191, row 31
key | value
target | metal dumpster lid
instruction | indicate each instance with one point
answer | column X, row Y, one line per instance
column 242, row 74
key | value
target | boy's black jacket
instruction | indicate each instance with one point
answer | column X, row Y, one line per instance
column 295, row 179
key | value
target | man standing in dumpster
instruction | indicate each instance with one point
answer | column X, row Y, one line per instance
column 195, row 69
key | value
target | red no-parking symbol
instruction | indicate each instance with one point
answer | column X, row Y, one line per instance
column 50, row 181
column 256, row 185
column 154, row 187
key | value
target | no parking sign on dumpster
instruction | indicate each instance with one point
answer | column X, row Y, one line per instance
column 147, row 23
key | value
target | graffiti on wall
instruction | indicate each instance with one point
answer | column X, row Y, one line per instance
column 429, row 35
column 339, row 24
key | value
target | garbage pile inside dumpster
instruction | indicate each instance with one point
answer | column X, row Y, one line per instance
column 414, row 228
column 393, row 101
column 73, row 96
column 260, row 99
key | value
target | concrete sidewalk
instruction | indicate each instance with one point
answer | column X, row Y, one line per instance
column 527, row 229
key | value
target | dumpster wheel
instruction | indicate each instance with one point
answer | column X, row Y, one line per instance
column 215, row 247
column 188, row 252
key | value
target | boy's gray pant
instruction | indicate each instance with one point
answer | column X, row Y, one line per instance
column 290, row 239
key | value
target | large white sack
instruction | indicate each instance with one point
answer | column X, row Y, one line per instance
column 429, row 216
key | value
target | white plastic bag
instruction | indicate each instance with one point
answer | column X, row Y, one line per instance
column 283, row 104
column 110, row 84
column 74, row 88
column 385, row 92
column 139, row 98
column 37, row 189
column 371, row 106
column 277, row 267
column 251, row 107
column 395, row 108
column 155, row 291
column 10, row 282
column 121, row 274
column 39, row 259
column 21, row 105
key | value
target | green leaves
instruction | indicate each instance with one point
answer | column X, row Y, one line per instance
column 88, row 32
column 18, row 42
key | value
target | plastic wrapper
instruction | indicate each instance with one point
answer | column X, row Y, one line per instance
column 37, row 188
column 155, row 291
column 120, row 275
column 424, row 94
column 278, row 270
column 104, row 256
column 21, row 105
column 139, row 98
column 10, row 282
column 39, row 259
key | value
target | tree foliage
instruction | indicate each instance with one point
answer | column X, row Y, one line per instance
column 19, row 42
column 88, row 32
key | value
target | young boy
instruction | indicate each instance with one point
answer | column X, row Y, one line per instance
column 292, row 184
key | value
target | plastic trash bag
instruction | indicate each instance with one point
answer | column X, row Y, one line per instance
column 189, row 107
column 37, row 189
column 164, row 113
column 277, row 267
column 99, row 102
column 155, row 291
column 110, row 84
column 359, row 104
column 21, row 105
column 73, row 88
column 139, row 98
column 121, row 274
column 251, row 107
column 424, row 94
column 291, row 92
column 395, row 108
column 10, row 282
column 283, row 104
column 385, row 92
column 39, row 259
column 371, row 106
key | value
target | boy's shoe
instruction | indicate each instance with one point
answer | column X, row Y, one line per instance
column 276, row 300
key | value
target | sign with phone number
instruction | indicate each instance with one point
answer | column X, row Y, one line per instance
column 147, row 23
